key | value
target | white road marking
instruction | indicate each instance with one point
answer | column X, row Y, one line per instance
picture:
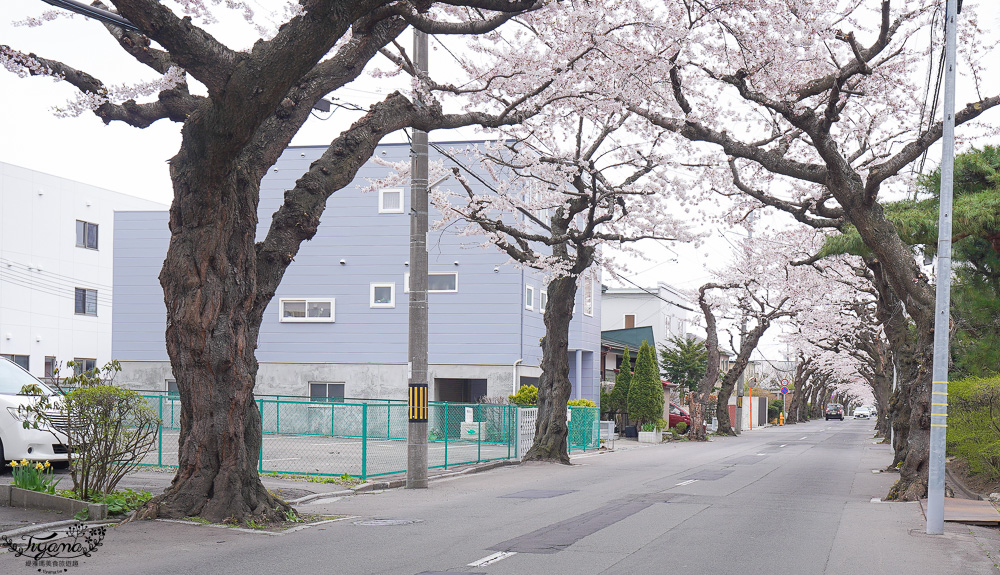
column 688, row 482
column 490, row 559
column 782, row 445
column 801, row 438
column 761, row 454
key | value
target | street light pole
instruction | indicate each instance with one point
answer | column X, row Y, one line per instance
column 416, row 442
column 942, row 317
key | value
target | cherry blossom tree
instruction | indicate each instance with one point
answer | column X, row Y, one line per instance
column 820, row 119
column 757, row 289
column 561, row 185
column 238, row 108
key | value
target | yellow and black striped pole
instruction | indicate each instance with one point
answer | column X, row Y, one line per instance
column 418, row 403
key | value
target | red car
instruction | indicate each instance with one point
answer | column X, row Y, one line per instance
column 678, row 415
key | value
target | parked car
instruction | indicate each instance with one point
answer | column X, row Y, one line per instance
column 834, row 411
column 678, row 415
column 16, row 442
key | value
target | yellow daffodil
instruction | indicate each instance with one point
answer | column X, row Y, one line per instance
column 24, row 462
column 13, row 463
column 39, row 466
column 47, row 464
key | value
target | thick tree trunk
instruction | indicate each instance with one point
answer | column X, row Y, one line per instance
column 209, row 282
column 908, row 407
column 701, row 399
column 725, row 425
column 552, row 431
column 914, row 424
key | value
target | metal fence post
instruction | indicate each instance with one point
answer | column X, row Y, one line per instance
column 446, row 422
column 277, row 417
column 333, row 411
column 260, row 455
column 479, row 432
column 364, row 441
column 159, row 455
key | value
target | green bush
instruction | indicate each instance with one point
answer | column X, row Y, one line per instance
column 774, row 409
column 645, row 395
column 581, row 403
column 109, row 429
column 527, row 395
column 681, row 427
column 974, row 424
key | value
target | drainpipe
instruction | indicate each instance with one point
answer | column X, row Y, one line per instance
column 514, row 381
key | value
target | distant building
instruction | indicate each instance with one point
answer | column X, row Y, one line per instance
column 337, row 326
column 662, row 308
column 56, row 238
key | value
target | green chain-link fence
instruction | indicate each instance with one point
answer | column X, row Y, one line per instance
column 367, row 437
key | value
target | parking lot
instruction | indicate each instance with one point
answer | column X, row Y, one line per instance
column 327, row 455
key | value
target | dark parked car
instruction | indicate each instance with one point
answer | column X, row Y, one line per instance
column 834, row 411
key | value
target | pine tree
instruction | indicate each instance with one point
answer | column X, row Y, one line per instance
column 685, row 361
column 645, row 396
column 623, row 380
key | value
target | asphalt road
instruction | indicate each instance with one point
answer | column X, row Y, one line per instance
column 792, row 500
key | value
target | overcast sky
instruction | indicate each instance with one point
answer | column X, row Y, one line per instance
column 134, row 161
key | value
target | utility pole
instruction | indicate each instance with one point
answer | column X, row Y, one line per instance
column 942, row 303
column 416, row 441
column 738, row 424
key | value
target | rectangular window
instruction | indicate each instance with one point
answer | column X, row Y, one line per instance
column 543, row 298
column 306, row 310
column 83, row 364
column 86, row 235
column 390, row 201
column 50, row 366
column 630, row 321
column 323, row 391
column 86, row 301
column 529, row 298
column 588, row 295
column 437, row 282
column 172, row 390
column 22, row 360
column 383, row 295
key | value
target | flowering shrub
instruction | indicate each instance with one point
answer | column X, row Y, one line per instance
column 34, row 476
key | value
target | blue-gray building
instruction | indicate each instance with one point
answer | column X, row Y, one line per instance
column 337, row 326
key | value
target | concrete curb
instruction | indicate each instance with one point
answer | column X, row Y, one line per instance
column 40, row 527
column 397, row 483
column 315, row 496
column 11, row 496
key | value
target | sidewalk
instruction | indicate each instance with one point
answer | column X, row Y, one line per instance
column 295, row 491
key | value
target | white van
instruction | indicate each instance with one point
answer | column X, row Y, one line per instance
column 16, row 442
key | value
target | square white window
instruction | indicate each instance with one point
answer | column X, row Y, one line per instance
column 85, row 301
column 306, row 310
column 383, row 295
column 437, row 282
column 529, row 297
column 326, row 392
column 86, row 235
column 390, row 201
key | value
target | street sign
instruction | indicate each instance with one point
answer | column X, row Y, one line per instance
column 784, row 389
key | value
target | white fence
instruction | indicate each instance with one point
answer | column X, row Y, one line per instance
column 526, row 421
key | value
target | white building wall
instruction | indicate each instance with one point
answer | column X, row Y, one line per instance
column 41, row 266
column 663, row 308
